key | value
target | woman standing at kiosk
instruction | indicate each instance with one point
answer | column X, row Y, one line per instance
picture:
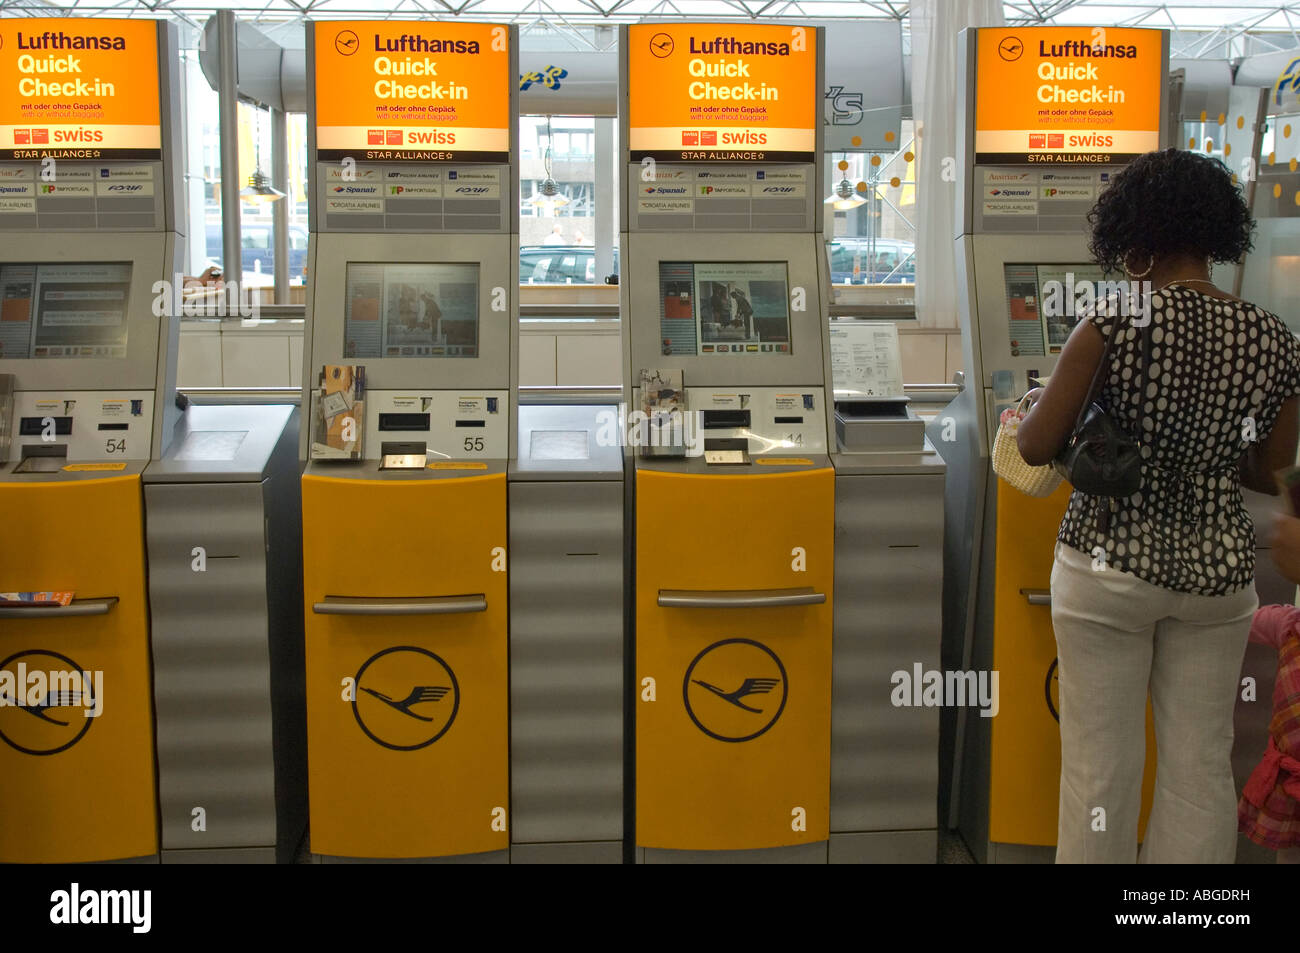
column 1156, row 592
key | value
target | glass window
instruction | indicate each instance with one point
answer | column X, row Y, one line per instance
column 874, row 236
column 557, row 230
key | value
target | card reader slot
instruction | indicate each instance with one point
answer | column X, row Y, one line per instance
column 739, row 598
column 471, row 423
column 405, row 423
column 35, row 426
column 788, row 420
column 77, row 607
column 418, row 605
column 114, row 426
column 726, row 419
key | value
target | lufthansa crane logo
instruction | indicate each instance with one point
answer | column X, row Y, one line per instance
column 406, row 698
column 1011, row 48
column 50, row 718
column 346, row 42
column 661, row 45
column 735, row 690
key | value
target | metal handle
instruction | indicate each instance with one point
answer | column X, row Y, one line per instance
column 739, row 598
column 1038, row 597
column 418, row 605
column 78, row 607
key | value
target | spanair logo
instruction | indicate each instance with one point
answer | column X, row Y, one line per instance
column 15, row 189
column 666, row 190
column 47, row 701
column 735, row 690
column 355, row 189
column 406, row 698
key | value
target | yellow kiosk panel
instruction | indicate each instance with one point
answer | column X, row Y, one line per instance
column 76, row 722
column 407, row 711
column 1026, row 767
column 733, row 661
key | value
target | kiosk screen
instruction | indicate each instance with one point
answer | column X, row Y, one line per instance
column 724, row 307
column 411, row 310
column 65, row 309
column 1044, row 303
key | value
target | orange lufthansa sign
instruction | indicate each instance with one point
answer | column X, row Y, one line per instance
column 416, row 90
column 1067, row 94
column 733, row 92
column 79, row 89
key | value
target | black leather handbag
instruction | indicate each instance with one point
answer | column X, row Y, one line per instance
column 1100, row 459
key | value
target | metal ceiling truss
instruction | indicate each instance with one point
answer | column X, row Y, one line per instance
column 1202, row 28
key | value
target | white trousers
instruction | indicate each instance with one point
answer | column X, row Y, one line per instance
column 1118, row 638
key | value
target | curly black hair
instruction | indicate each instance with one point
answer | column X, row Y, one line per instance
column 1170, row 202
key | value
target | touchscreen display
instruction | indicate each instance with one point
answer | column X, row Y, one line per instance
column 64, row 310
column 1044, row 303
column 724, row 308
column 410, row 310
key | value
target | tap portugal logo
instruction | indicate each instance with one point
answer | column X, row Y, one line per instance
column 735, row 690
column 406, row 698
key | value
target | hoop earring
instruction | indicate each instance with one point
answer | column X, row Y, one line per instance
column 1151, row 263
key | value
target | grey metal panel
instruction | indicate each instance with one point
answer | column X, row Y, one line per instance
column 601, row 462
column 212, row 684
column 234, row 855
column 491, row 369
column 566, row 661
column 888, row 618
column 488, row 857
column 798, row 854
column 263, row 427
column 885, row 847
column 597, row 852
column 148, row 253
column 803, row 366
column 1016, row 854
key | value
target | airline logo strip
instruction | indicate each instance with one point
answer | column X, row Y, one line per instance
column 1067, row 94
column 1009, row 191
column 79, row 89
column 685, row 190
column 412, row 91
column 731, row 92
column 365, row 188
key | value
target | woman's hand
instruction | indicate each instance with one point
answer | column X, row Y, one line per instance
column 1044, row 432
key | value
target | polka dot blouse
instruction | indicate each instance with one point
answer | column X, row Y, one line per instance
column 1218, row 374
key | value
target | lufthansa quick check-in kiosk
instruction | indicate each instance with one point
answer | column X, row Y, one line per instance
column 732, row 493
column 414, row 273
column 1028, row 182
column 103, row 483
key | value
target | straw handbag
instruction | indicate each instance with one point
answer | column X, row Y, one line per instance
column 1011, row 466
